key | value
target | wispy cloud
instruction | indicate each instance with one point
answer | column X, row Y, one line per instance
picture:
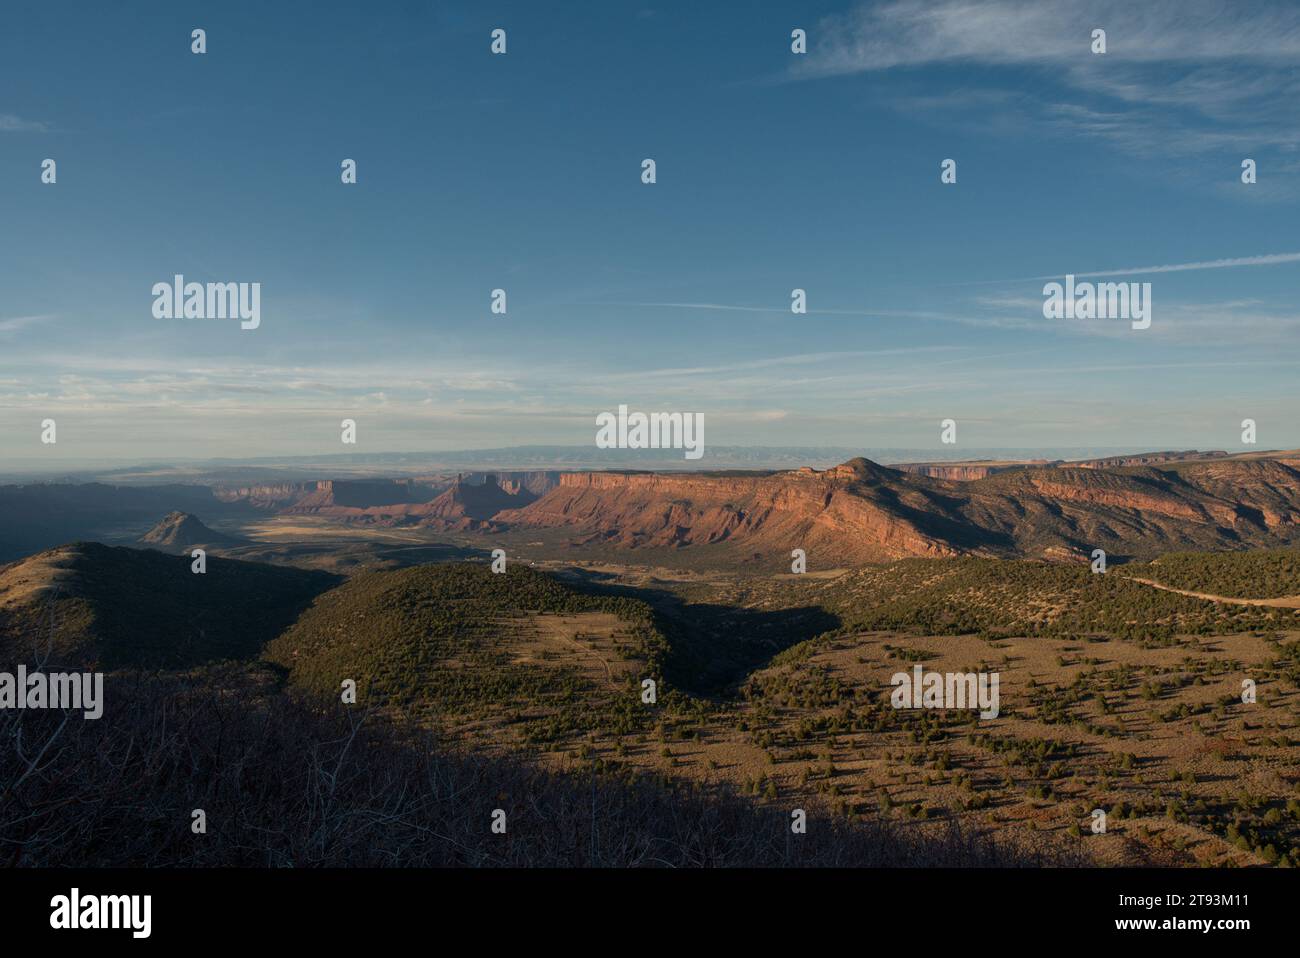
column 1053, row 32
column 8, row 327
column 776, row 309
column 1178, row 76
column 16, row 124
column 799, row 359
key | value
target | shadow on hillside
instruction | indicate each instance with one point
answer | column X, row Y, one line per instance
column 713, row 647
column 943, row 520
column 140, row 608
column 285, row 785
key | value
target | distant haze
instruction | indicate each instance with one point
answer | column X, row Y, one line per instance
column 513, row 458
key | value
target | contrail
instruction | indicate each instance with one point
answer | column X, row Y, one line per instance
column 1271, row 259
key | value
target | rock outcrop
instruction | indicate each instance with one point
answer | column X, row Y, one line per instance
column 470, row 505
column 179, row 531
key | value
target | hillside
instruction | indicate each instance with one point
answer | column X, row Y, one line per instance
column 995, row 598
column 100, row 606
column 1258, row 574
column 112, row 793
column 1115, row 693
column 456, row 641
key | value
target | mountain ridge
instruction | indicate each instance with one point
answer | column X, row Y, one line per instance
column 861, row 511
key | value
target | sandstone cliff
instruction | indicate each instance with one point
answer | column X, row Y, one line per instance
column 864, row 512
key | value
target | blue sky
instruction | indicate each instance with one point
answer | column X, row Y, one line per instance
column 522, row 171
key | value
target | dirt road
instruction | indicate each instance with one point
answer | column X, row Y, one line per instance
column 1281, row 602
